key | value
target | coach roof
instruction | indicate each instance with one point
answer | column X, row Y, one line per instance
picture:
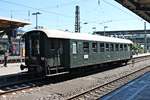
column 82, row 36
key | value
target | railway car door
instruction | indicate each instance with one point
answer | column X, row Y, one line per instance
column 33, row 51
column 56, row 56
column 35, row 47
column 55, row 52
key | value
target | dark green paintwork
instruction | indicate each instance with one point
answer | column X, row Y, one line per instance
column 78, row 60
column 61, row 55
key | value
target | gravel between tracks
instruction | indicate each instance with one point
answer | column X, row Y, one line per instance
column 59, row 91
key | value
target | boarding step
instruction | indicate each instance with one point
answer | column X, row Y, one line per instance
column 55, row 68
column 55, row 74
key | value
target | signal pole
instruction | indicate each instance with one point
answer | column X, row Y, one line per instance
column 145, row 38
column 77, row 19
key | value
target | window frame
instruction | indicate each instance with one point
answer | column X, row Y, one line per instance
column 94, row 47
column 102, row 47
column 107, row 49
column 121, row 47
column 74, row 47
column 86, row 48
column 111, row 47
column 125, row 47
column 116, row 47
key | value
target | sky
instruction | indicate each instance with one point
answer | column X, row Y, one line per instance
column 60, row 14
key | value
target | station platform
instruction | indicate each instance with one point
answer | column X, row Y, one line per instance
column 141, row 55
column 12, row 68
column 138, row 89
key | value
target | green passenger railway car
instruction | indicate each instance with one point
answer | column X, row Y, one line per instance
column 54, row 52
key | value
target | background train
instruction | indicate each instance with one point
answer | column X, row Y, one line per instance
column 54, row 52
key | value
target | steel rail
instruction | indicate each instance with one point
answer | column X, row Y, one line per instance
column 103, row 89
column 109, row 85
column 21, row 85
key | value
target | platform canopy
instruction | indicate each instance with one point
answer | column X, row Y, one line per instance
column 6, row 23
column 139, row 7
column 9, row 27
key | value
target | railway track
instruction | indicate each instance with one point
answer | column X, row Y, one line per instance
column 17, row 87
column 22, row 83
column 139, row 59
column 101, row 90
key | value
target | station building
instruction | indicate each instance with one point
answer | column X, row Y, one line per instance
column 140, row 8
column 140, row 37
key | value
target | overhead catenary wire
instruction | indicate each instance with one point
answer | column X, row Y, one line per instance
column 106, row 2
column 98, row 2
column 40, row 9
column 60, row 14
column 64, row 4
column 23, row 5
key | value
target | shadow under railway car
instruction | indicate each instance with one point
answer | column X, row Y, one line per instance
column 52, row 52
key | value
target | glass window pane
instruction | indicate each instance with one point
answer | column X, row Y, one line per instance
column 35, row 47
column 121, row 47
column 107, row 46
column 125, row 47
column 94, row 47
column 74, row 47
column 117, row 47
column 111, row 47
column 102, row 47
column 85, row 47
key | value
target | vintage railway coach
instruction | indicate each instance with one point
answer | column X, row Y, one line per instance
column 56, row 52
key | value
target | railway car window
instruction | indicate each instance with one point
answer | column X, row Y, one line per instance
column 121, row 47
column 128, row 47
column 107, row 47
column 74, row 47
column 111, row 47
column 30, row 47
column 102, row 47
column 35, row 47
column 85, row 47
column 117, row 47
column 94, row 47
column 125, row 47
